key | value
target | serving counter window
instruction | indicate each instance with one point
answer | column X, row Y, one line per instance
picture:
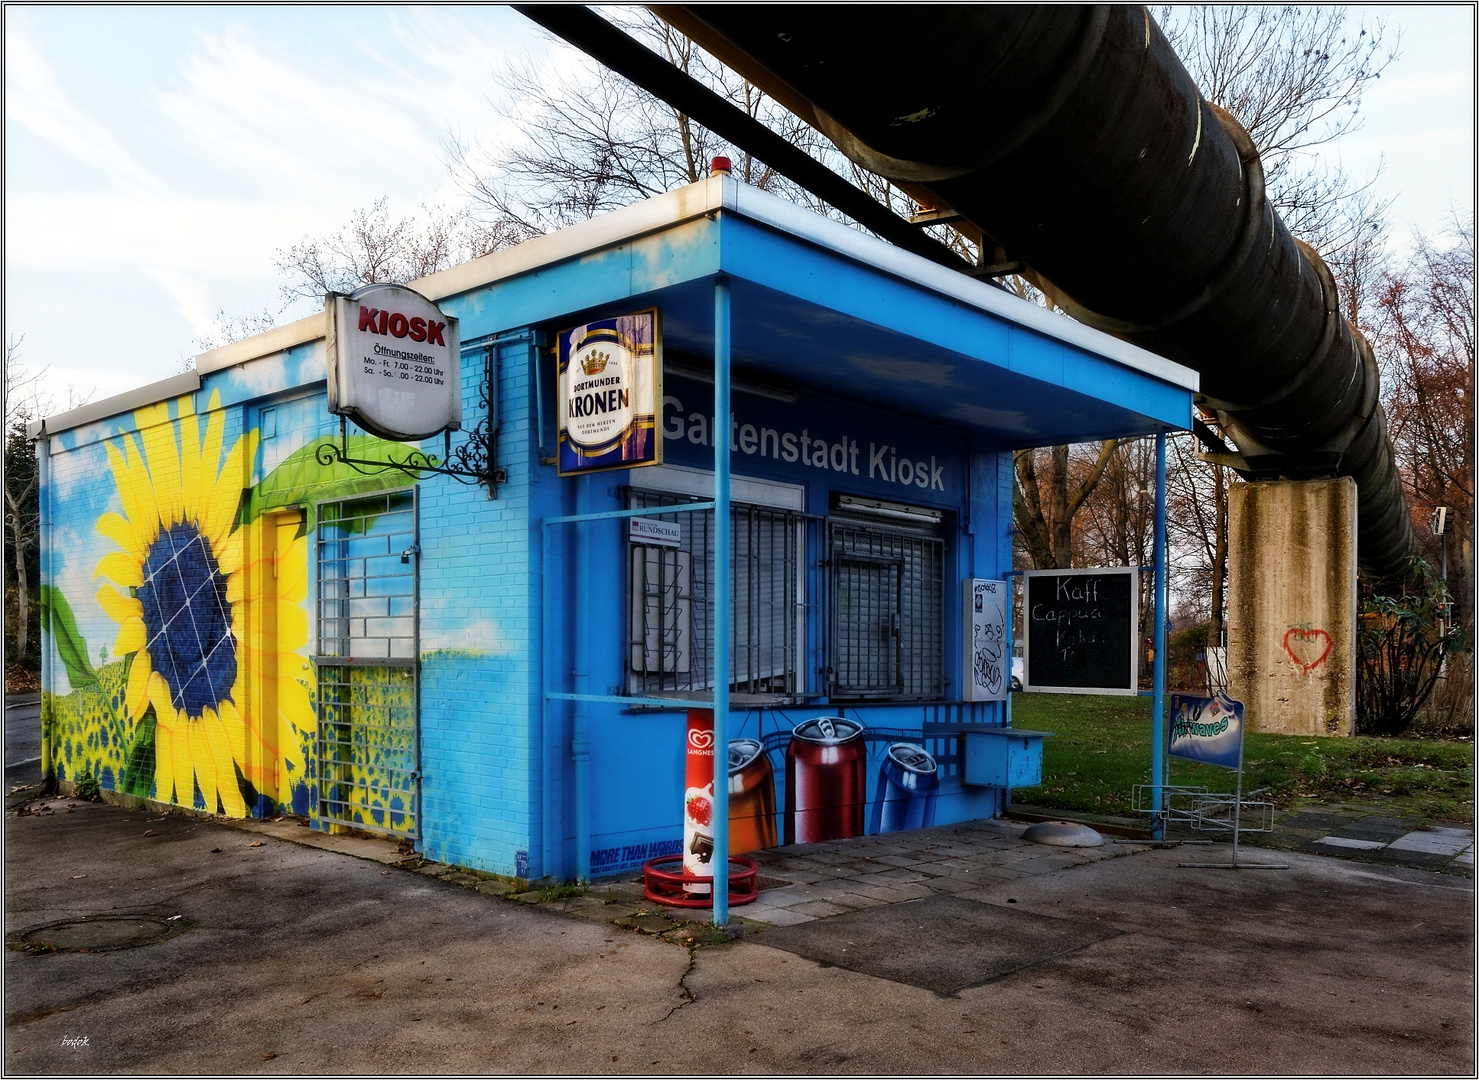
column 670, row 599
column 888, row 608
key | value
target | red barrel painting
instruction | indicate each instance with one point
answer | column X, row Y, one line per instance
column 826, row 780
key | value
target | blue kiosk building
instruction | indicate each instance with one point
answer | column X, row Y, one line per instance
column 249, row 612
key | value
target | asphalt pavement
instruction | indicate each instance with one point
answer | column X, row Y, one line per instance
column 274, row 956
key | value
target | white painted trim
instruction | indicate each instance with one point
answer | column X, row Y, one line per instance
column 682, row 480
column 278, row 339
column 126, row 402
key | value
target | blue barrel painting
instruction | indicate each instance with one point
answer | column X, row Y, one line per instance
column 905, row 796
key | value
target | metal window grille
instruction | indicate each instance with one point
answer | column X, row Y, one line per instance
column 887, row 609
column 367, row 662
column 670, row 602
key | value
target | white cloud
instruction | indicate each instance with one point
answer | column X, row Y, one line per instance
column 35, row 99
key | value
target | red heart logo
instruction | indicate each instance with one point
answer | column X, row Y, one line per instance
column 700, row 740
column 1307, row 648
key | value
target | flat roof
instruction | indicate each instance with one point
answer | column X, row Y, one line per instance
column 713, row 199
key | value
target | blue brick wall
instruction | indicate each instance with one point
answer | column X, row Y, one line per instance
column 479, row 606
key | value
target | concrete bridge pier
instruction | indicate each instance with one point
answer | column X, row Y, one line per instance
column 1291, row 619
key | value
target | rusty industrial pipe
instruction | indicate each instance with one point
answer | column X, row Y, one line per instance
column 1075, row 140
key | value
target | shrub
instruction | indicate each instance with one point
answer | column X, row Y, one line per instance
column 1401, row 645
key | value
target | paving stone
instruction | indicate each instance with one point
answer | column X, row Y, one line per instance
column 1350, row 843
column 790, row 897
column 698, row 935
column 533, row 896
column 618, row 911
column 897, row 860
column 897, row 877
column 650, row 922
column 774, row 916
column 1434, row 843
column 461, row 879
column 953, row 884
column 431, row 869
column 895, row 894
column 494, row 888
column 840, row 870
column 855, row 900
column 587, row 907
column 819, row 909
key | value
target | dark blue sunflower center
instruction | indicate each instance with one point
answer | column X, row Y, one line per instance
column 188, row 620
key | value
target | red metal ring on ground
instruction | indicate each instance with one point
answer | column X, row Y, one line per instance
column 661, row 884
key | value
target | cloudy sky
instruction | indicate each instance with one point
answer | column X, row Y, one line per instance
column 157, row 158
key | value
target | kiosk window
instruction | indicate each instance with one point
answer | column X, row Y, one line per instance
column 887, row 611
column 670, row 601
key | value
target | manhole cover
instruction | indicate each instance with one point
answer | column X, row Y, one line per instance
column 97, row 933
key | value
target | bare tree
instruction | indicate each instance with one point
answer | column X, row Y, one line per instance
column 1045, row 503
column 228, row 328
column 374, row 248
column 23, row 403
column 1425, row 330
column 1294, row 77
column 594, row 142
column 26, row 399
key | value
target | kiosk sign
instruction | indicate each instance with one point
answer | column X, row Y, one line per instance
column 610, row 374
column 394, row 363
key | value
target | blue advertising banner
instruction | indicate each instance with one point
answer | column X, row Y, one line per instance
column 1206, row 729
column 610, row 381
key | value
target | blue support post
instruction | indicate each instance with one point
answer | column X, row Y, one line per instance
column 1158, row 638
column 580, row 741
column 721, row 576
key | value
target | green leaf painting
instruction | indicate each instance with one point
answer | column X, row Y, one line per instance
column 302, row 479
column 56, row 614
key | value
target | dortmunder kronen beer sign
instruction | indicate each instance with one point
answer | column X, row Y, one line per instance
column 394, row 363
column 610, row 374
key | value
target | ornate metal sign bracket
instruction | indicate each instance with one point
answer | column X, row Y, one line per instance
column 473, row 461
column 469, row 462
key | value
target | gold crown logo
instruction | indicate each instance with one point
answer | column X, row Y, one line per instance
column 594, row 362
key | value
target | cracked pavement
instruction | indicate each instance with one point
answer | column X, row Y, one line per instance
column 348, row 957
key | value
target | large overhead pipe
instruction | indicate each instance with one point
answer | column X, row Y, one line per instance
column 1075, row 140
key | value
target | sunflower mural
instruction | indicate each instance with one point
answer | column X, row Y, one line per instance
column 225, row 707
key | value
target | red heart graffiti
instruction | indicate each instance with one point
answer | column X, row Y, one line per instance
column 1302, row 644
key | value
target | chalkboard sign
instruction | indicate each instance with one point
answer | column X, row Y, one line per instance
column 1081, row 627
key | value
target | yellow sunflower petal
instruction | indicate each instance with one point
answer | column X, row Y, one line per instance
column 202, row 758
column 120, row 568
column 215, row 431
column 131, row 638
column 121, row 532
column 164, row 756
column 163, row 455
column 228, row 553
column 120, row 608
column 138, row 685
column 193, row 482
column 183, row 779
column 133, row 492
column 225, row 735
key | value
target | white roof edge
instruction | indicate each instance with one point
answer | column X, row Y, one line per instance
column 715, row 194
column 628, row 223
column 173, row 387
column 276, row 340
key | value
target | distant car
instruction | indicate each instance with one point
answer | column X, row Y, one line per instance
column 1018, row 672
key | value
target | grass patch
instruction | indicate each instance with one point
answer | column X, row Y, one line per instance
column 1102, row 749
